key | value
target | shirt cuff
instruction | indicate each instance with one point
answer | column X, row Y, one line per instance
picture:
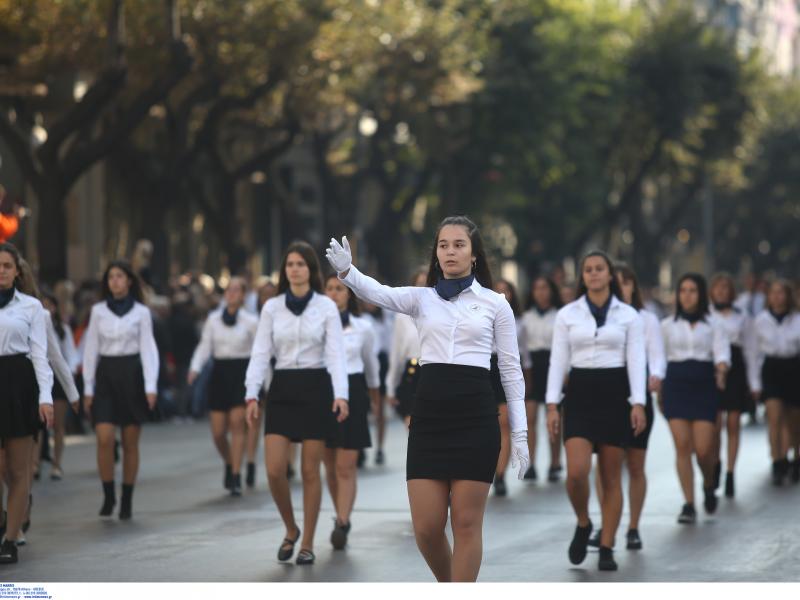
column 252, row 391
column 88, row 388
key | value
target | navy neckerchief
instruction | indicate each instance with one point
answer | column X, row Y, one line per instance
column 777, row 317
column 6, row 296
column 599, row 312
column 691, row 317
column 228, row 318
column 297, row 305
column 542, row 311
column 345, row 316
column 450, row 288
column 120, row 307
column 723, row 306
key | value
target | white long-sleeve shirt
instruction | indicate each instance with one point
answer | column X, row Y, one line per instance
column 579, row 343
column 362, row 357
column 383, row 328
column 770, row 338
column 737, row 326
column 405, row 346
column 539, row 329
column 225, row 341
column 23, row 330
column 706, row 341
column 58, row 362
column 110, row 335
column 461, row 331
column 654, row 345
column 312, row 340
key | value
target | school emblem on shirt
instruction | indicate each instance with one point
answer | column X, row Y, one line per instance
column 474, row 307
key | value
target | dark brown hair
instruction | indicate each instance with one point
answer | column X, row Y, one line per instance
column 481, row 266
column 555, row 295
column 726, row 277
column 353, row 307
column 12, row 250
column 787, row 289
column 305, row 250
column 628, row 274
column 702, row 290
column 515, row 305
column 614, row 285
column 125, row 267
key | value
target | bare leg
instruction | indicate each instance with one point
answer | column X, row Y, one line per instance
column 428, row 500
column 329, row 459
column 609, row 467
column 733, row 426
column 637, row 484
column 237, row 428
column 468, row 505
column 60, row 409
column 682, row 436
column 130, row 453
column 775, row 427
column 18, row 451
column 380, row 420
column 579, row 464
column 346, row 481
column 253, row 435
column 218, row 420
column 105, row 434
column 505, row 440
column 312, row 489
column 276, row 455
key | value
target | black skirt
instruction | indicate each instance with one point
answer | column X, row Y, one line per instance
column 407, row 389
column 596, row 407
column 540, row 359
column 780, row 378
column 690, row 391
column 736, row 396
column 497, row 383
column 353, row 432
column 454, row 433
column 383, row 364
column 226, row 386
column 19, row 397
column 59, row 395
column 299, row 404
column 119, row 396
column 640, row 441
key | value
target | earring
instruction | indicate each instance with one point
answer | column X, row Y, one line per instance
column 474, row 266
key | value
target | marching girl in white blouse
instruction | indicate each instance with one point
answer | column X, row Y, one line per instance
column 637, row 450
column 454, row 439
column 403, row 374
column 383, row 324
column 227, row 337
column 735, row 398
column 698, row 357
column 774, row 378
column 26, row 401
column 506, row 288
column 352, row 435
column 120, row 372
column 599, row 342
column 537, row 323
column 308, row 393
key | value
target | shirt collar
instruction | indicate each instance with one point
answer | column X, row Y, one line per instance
column 584, row 305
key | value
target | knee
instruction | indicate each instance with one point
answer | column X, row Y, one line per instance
column 310, row 473
column 276, row 472
column 345, row 472
column 428, row 534
column 577, row 475
column 636, row 470
column 465, row 523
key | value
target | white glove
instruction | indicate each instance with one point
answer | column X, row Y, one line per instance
column 519, row 452
column 339, row 255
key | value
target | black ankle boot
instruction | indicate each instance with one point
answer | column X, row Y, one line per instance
column 109, row 499
column 251, row 475
column 126, row 505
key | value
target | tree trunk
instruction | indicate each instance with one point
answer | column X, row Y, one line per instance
column 52, row 234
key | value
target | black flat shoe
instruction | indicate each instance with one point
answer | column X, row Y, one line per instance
column 729, row 491
column 634, row 542
column 108, row 507
column 305, row 557
column 688, row 515
column 250, row 480
column 710, row 501
column 717, row 475
column 8, row 552
column 227, row 479
column 606, row 561
column 236, row 485
column 577, row 548
column 380, row 458
column 594, row 541
column 500, row 486
column 287, row 547
column 779, row 471
column 553, row 474
column 530, row 474
column 339, row 535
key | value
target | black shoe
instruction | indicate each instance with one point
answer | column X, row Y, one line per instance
column 710, row 501
column 109, row 499
column 287, row 547
column 8, row 552
column 778, row 472
column 553, row 474
column 577, row 548
column 796, row 471
column 500, row 486
column 729, row 491
column 530, row 474
column 688, row 515
column 594, row 541
column 227, row 479
column 126, row 503
column 717, row 475
column 379, row 457
column 362, row 458
column 606, row 561
column 634, row 542
column 236, row 485
column 305, row 557
column 250, row 480
column 339, row 535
